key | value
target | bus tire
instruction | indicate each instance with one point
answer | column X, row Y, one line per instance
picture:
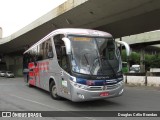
column 53, row 91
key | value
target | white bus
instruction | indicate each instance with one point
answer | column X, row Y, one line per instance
column 77, row 64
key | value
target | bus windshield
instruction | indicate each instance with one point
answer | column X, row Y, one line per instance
column 94, row 55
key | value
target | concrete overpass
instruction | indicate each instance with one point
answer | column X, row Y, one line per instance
column 142, row 39
column 119, row 17
column 141, row 42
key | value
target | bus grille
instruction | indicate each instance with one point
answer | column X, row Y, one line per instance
column 107, row 87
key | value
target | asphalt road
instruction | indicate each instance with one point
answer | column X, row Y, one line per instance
column 16, row 96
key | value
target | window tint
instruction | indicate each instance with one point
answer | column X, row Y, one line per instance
column 39, row 52
column 61, row 53
column 44, row 50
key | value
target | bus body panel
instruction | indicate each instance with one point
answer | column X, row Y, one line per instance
column 40, row 73
column 65, row 85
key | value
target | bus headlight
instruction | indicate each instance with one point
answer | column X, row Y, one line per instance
column 73, row 79
column 74, row 83
column 81, row 86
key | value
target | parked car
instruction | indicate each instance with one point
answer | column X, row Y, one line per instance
column 135, row 69
column 9, row 74
column 2, row 73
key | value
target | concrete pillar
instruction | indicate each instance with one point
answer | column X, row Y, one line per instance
column 142, row 59
column 2, row 63
column 14, row 64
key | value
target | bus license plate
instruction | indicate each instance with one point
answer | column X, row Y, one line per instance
column 104, row 94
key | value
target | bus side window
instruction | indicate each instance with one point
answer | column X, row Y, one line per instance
column 58, row 51
column 48, row 49
column 58, row 43
column 64, row 58
column 45, row 50
column 50, row 52
column 61, row 53
column 39, row 54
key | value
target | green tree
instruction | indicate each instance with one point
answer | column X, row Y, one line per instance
column 151, row 61
column 155, row 62
column 134, row 58
column 148, row 61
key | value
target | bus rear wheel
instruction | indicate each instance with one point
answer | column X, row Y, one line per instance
column 53, row 91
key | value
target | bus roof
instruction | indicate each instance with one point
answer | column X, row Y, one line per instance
column 73, row 31
column 80, row 31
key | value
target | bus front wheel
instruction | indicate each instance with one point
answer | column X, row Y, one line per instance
column 53, row 91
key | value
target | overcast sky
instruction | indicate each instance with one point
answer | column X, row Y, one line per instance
column 16, row 14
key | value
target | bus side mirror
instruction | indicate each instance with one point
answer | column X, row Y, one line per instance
column 128, row 51
column 67, row 43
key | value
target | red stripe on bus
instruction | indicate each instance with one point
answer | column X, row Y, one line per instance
column 47, row 68
column 30, row 65
column 32, row 82
column 31, row 74
column 36, row 69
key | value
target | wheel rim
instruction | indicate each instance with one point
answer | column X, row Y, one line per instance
column 54, row 91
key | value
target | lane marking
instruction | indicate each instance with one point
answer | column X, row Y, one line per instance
column 36, row 102
column 28, row 100
column 11, row 84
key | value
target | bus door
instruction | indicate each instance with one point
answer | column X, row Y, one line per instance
column 65, row 77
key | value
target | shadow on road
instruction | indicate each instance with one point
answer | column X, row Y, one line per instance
column 93, row 104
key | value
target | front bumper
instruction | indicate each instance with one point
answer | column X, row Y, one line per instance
column 79, row 95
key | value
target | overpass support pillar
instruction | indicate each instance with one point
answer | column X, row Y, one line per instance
column 2, row 63
column 142, row 59
column 14, row 64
